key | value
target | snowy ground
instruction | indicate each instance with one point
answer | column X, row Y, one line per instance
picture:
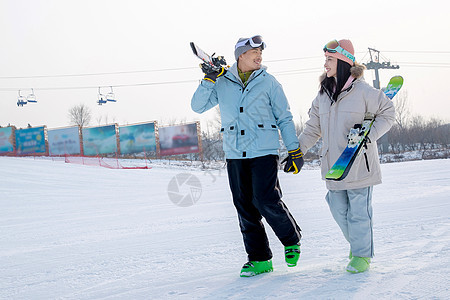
column 70, row 231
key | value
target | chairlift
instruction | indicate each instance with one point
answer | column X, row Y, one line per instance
column 101, row 98
column 110, row 96
column 21, row 101
column 32, row 97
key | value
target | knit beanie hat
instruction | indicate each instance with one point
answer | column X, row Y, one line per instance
column 347, row 45
column 244, row 48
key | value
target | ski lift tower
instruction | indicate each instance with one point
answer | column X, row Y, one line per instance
column 374, row 64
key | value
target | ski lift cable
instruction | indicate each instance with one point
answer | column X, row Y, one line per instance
column 105, row 86
column 415, row 51
column 295, row 71
column 426, row 63
column 136, row 84
column 193, row 68
column 425, row 66
column 138, row 71
column 294, row 58
column 362, row 59
column 304, row 71
column 96, row 74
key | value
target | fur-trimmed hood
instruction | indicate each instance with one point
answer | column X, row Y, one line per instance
column 357, row 71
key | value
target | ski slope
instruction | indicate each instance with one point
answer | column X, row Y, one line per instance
column 81, row 232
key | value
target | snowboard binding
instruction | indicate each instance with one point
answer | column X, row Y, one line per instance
column 210, row 62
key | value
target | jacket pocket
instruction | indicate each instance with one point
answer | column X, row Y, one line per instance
column 323, row 158
column 229, row 137
column 267, row 136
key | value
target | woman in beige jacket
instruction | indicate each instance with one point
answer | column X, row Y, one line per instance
column 343, row 100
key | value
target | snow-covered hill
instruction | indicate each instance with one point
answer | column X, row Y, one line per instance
column 80, row 232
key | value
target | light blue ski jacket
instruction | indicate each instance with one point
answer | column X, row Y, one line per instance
column 252, row 116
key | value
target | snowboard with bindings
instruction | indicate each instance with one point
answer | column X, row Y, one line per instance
column 215, row 63
column 357, row 138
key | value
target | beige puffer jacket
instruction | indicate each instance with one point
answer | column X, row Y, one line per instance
column 333, row 121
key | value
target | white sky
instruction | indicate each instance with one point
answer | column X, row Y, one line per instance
column 57, row 37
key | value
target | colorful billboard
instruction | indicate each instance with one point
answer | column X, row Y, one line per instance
column 30, row 140
column 137, row 138
column 181, row 139
column 99, row 140
column 6, row 139
column 64, row 141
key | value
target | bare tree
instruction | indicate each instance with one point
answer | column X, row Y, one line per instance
column 213, row 125
column 300, row 126
column 99, row 120
column 402, row 114
column 80, row 115
column 212, row 138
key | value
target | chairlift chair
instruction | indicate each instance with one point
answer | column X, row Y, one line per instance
column 21, row 101
column 110, row 96
column 101, row 98
column 32, row 97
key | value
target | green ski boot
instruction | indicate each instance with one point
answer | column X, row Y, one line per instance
column 291, row 255
column 253, row 268
column 358, row 264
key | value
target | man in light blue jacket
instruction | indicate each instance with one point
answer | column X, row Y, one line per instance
column 253, row 110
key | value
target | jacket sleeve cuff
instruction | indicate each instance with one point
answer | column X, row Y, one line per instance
column 293, row 146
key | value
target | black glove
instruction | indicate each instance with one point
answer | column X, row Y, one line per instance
column 211, row 73
column 294, row 161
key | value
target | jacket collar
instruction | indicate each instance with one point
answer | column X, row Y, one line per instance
column 347, row 89
column 348, row 83
column 233, row 70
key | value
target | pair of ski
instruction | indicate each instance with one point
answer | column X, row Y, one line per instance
column 357, row 136
column 214, row 63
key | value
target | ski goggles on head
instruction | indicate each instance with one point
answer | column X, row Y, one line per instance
column 334, row 47
column 255, row 41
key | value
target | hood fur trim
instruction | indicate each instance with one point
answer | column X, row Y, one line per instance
column 357, row 71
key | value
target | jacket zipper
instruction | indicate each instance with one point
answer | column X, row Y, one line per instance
column 243, row 87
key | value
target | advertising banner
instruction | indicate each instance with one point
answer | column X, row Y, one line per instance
column 6, row 140
column 30, row 140
column 181, row 139
column 99, row 140
column 137, row 138
column 64, row 141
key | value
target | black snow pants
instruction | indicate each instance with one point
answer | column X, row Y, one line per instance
column 256, row 194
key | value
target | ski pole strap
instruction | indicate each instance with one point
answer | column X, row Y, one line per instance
column 365, row 157
column 367, row 161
